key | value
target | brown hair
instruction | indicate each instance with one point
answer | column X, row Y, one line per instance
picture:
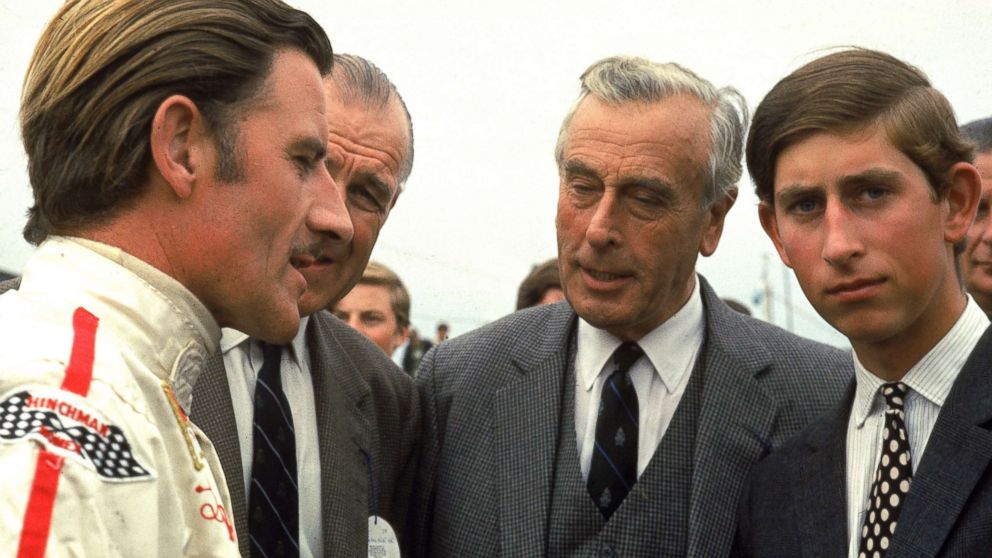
column 541, row 278
column 399, row 299
column 849, row 91
column 102, row 68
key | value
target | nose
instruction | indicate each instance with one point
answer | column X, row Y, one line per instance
column 603, row 225
column 841, row 243
column 329, row 215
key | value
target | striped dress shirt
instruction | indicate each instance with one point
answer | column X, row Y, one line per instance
column 929, row 382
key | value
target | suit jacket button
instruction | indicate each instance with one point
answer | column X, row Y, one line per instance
column 606, row 551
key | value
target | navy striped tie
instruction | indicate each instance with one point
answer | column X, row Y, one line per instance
column 613, row 470
column 273, row 498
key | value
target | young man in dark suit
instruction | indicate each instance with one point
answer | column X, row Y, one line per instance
column 867, row 191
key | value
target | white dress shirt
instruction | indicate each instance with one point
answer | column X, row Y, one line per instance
column 929, row 382
column 659, row 379
column 243, row 362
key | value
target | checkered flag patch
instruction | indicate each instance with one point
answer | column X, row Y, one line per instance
column 71, row 428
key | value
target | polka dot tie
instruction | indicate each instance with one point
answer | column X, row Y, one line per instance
column 892, row 479
column 273, row 497
column 613, row 470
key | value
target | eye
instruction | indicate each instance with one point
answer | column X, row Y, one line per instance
column 304, row 164
column 874, row 192
column 803, row 206
column 582, row 193
column 373, row 319
column 367, row 197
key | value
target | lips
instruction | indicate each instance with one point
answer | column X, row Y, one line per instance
column 599, row 279
column 856, row 290
column 301, row 261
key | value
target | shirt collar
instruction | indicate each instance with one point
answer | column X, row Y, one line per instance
column 232, row 338
column 671, row 347
column 933, row 376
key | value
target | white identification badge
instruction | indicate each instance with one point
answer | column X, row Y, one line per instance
column 382, row 539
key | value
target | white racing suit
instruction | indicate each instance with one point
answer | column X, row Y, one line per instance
column 98, row 354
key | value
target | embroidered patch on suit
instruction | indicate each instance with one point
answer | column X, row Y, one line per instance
column 66, row 425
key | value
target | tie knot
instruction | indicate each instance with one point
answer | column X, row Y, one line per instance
column 895, row 395
column 626, row 355
column 271, row 354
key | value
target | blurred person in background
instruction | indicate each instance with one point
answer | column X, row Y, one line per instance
column 442, row 332
column 541, row 286
column 378, row 307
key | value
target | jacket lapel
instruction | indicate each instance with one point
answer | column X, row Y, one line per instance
column 213, row 412
column 956, row 457
column 735, row 426
column 527, row 416
column 820, row 477
column 343, row 440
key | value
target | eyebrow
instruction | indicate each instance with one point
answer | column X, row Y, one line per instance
column 575, row 167
column 863, row 178
column 311, row 144
column 870, row 176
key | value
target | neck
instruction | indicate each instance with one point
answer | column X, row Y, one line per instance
column 891, row 358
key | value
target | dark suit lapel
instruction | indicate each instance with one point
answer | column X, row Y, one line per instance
column 735, row 425
column 213, row 412
column 957, row 455
column 527, row 415
column 820, row 477
column 343, row 440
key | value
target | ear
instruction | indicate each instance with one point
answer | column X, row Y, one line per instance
column 766, row 214
column 961, row 201
column 175, row 128
column 715, row 216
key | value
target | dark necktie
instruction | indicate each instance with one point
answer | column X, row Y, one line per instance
column 273, row 498
column 613, row 470
column 892, row 479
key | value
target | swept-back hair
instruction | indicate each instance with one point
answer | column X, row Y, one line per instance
column 103, row 67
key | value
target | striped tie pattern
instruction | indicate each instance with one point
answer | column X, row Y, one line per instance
column 613, row 470
column 273, row 498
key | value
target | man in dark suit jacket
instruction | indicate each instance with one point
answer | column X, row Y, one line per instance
column 355, row 414
column 526, row 416
column 867, row 191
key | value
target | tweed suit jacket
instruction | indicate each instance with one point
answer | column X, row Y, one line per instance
column 492, row 402
column 365, row 405
column 795, row 503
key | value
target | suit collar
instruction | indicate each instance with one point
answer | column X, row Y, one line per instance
column 956, row 458
column 820, row 477
column 527, row 414
column 213, row 412
column 346, row 461
column 736, row 418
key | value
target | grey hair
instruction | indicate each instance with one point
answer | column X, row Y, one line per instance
column 361, row 81
column 625, row 79
column 979, row 132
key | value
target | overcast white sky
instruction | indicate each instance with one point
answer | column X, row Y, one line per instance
column 487, row 86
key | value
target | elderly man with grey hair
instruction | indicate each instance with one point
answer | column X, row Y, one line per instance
column 624, row 421
column 330, row 412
